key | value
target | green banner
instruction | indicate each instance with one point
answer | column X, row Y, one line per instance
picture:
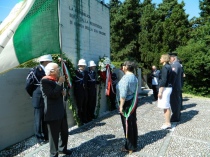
column 38, row 33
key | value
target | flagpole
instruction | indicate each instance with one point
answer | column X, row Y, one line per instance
column 60, row 34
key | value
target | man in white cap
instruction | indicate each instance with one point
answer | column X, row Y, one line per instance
column 41, row 132
column 80, row 90
column 91, row 85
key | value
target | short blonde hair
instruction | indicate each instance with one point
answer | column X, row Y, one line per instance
column 166, row 58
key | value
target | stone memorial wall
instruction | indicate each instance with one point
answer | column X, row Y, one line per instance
column 85, row 30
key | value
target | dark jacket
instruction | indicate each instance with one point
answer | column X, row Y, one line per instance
column 154, row 74
column 80, row 82
column 53, row 99
column 91, row 83
column 166, row 79
column 178, row 74
column 37, row 99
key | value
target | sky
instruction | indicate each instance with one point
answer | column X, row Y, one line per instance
column 191, row 7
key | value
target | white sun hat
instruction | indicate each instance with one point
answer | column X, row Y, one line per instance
column 82, row 62
column 91, row 64
column 45, row 58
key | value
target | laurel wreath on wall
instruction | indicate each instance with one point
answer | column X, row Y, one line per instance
column 71, row 69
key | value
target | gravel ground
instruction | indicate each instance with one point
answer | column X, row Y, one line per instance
column 104, row 137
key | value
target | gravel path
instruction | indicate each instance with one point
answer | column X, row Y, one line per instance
column 104, row 137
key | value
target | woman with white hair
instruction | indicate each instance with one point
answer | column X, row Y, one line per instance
column 55, row 110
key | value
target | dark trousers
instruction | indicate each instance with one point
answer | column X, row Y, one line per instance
column 112, row 98
column 57, row 128
column 81, row 97
column 175, row 101
column 91, row 103
column 131, row 140
column 40, row 126
column 181, row 100
column 155, row 89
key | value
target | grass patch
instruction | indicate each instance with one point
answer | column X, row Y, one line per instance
column 185, row 95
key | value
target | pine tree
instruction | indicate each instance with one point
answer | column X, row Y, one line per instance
column 114, row 24
column 124, row 31
column 175, row 25
column 204, row 6
column 148, row 38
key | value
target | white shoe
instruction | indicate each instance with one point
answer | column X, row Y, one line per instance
column 164, row 126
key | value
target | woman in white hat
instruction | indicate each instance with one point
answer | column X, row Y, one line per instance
column 91, row 84
column 80, row 90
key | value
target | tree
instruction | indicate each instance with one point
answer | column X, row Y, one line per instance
column 124, row 31
column 204, row 6
column 148, row 38
column 196, row 61
column 175, row 25
column 196, row 54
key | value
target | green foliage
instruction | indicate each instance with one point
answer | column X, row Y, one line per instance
column 148, row 36
column 143, row 31
column 29, row 64
column 98, row 100
column 196, row 61
column 124, row 30
column 205, row 10
column 117, row 64
column 70, row 67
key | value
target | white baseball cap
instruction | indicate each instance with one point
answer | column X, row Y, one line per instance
column 91, row 64
column 82, row 62
column 45, row 58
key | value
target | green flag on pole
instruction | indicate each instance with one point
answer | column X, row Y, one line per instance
column 34, row 32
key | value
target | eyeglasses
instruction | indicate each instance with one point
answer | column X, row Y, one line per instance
column 57, row 69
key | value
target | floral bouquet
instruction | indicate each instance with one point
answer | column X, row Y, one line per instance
column 103, row 63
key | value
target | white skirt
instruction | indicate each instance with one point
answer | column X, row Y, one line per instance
column 164, row 102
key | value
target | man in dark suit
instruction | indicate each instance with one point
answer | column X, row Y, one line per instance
column 175, row 98
column 41, row 132
column 80, row 90
column 91, row 85
column 55, row 110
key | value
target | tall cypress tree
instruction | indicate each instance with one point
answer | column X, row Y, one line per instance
column 148, row 38
column 125, row 28
column 115, row 6
column 175, row 25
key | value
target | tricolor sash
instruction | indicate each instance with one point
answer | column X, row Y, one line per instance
column 131, row 108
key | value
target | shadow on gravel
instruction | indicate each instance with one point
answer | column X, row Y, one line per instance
column 150, row 138
column 146, row 100
column 188, row 106
column 86, row 127
column 18, row 148
column 187, row 116
column 185, row 99
column 100, row 146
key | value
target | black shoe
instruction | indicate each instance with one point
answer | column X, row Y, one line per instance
column 41, row 142
column 67, row 152
column 175, row 121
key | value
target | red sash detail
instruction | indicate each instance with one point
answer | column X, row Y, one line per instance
column 50, row 78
